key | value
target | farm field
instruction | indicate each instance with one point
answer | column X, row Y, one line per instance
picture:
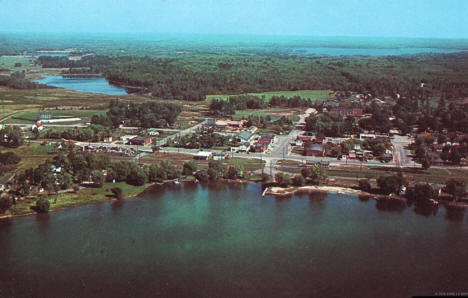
column 314, row 95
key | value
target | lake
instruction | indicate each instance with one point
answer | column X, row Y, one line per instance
column 372, row 51
column 228, row 241
column 91, row 85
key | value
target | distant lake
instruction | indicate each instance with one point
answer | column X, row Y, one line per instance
column 91, row 85
column 228, row 241
column 372, row 51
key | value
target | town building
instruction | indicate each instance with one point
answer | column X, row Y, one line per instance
column 141, row 141
column 311, row 149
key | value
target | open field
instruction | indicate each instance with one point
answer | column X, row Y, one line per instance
column 72, row 103
column 273, row 113
column 314, row 95
column 32, row 115
column 8, row 62
column 31, row 156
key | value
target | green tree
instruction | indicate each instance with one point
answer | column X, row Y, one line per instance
column 456, row 188
column 298, row 180
column 66, row 181
column 364, row 185
column 5, row 203
column 97, row 177
column 391, row 183
column 189, row 167
column 283, row 180
column 202, row 176
column 137, row 176
column 42, row 205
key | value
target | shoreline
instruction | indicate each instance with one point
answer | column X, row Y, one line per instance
column 5, row 217
column 275, row 191
column 288, row 191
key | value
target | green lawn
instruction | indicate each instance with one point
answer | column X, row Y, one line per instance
column 82, row 197
column 314, row 95
column 246, row 113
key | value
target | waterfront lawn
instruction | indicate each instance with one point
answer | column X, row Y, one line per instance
column 82, row 197
column 91, row 195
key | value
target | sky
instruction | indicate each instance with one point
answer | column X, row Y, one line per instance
column 375, row 18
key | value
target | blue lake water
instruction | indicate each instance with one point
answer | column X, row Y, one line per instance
column 92, row 85
column 228, row 241
column 372, row 51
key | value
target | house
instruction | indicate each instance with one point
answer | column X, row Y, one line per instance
column 126, row 138
column 152, row 132
column 37, row 125
column 107, row 139
column 311, row 149
column 244, row 147
column 210, row 122
column 245, row 136
column 220, row 156
column 203, row 155
column 141, row 141
column 252, row 129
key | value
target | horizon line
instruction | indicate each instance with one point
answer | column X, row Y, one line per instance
column 228, row 34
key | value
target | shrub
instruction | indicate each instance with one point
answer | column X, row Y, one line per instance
column 5, row 204
column 118, row 193
column 364, row 185
column 298, row 180
column 283, row 180
column 42, row 205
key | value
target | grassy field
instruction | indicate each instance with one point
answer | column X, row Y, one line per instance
column 314, row 95
column 8, row 62
column 31, row 156
column 273, row 113
column 32, row 115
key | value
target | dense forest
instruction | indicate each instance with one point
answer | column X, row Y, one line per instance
column 192, row 77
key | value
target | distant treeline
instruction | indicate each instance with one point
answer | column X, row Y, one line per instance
column 192, row 77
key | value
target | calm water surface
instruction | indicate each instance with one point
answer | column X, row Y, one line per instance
column 372, row 51
column 227, row 241
column 92, row 85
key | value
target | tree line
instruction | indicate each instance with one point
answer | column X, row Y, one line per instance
column 147, row 115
